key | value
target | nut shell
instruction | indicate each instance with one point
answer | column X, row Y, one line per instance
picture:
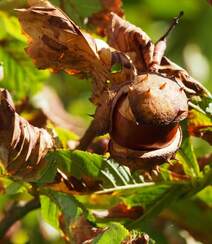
column 138, row 136
column 157, row 100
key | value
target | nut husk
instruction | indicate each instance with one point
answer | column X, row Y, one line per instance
column 144, row 159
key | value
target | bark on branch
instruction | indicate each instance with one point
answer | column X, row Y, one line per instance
column 15, row 213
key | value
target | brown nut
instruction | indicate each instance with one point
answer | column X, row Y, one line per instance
column 145, row 122
column 157, row 100
column 138, row 136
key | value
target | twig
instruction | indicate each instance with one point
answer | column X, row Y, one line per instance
column 175, row 21
column 16, row 213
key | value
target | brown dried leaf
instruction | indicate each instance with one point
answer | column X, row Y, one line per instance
column 205, row 160
column 123, row 211
column 137, row 239
column 56, row 42
column 134, row 42
column 189, row 84
column 131, row 40
column 22, row 146
column 82, row 230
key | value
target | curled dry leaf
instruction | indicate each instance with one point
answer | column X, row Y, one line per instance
column 82, row 230
column 131, row 40
column 140, row 103
column 22, row 146
column 56, row 42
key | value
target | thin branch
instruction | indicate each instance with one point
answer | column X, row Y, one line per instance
column 16, row 213
column 175, row 21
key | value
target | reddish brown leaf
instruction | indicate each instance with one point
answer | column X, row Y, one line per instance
column 23, row 146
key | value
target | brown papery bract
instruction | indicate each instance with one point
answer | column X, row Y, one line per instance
column 23, row 147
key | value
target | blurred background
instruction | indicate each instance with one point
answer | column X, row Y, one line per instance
column 189, row 46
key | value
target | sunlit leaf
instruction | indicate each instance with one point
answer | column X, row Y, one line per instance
column 115, row 233
column 20, row 75
column 206, row 195
column 186, row 155
column 49, row 211
column 82, row 164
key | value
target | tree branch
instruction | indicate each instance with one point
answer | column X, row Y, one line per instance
column 15, row 213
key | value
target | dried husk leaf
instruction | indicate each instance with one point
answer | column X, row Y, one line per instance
column 23, row 146
column 189, row 84
column 146, row 160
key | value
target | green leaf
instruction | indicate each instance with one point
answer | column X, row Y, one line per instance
column 16, row 187
column 67, row 204
column 1, row 72
column 200, row 125
column 114, row 234
column 186, row 155
column 203, row 104
column 117, row 67
column 21, row 77
column 70, row 208
column 79, row 164
column 13, row 187
column 49, row 211
column 65, row 135
column 10, row 27
column 194, row 216
column 47, row 173
column 206, row 195
column 161, row 202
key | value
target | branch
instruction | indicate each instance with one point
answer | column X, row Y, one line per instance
column 16, row 213
column 175, row 21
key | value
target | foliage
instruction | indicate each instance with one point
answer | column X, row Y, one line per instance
column 89, row 197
